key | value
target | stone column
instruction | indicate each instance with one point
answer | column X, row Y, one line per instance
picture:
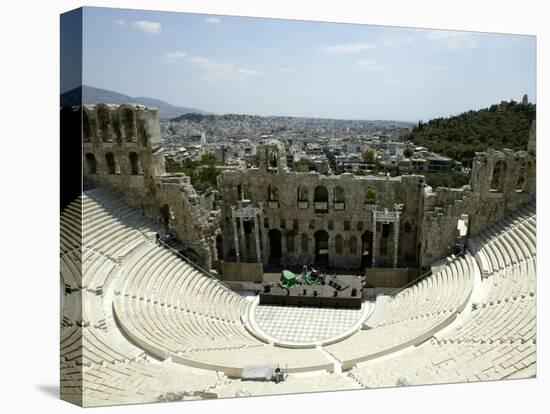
column 257, row 239
column 395, row 239
column 374, row 217
column 235, row 234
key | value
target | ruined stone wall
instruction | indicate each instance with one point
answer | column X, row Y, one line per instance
column 428, row 218
column 501, row 182
column 294, row 213
column 122, row 150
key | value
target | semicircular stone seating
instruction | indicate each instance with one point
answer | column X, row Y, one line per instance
column 139, row 322
column 135, row 314
column 497, row 339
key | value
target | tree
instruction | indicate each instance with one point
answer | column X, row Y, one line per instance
column 504, row 125
column 408, row 153
column 208, row 159
column 302, row 166
column 368, row 156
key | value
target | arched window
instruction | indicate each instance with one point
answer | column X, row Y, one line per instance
column 339, row 244
column 321, row 194
column 91, row 164
column 112, row 165
column 353, row 245
column 243, row 192
column 320, row 198
column 104, row 120
column 272, row 193
column 290, row 242
column 272, row 158
column 303, row 193
column 400, row 198
column 128, row 123
column 498, row 176
column 142, row 133
column 339, row 195
column 305, row 243
column 370, row 196
column 135, row 165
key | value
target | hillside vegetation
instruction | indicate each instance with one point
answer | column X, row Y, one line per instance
column 505, row 125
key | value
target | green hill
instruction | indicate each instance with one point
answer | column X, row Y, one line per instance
column 505, row 125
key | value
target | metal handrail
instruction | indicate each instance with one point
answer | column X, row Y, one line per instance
column 192, row 263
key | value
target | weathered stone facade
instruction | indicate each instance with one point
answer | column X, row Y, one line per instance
column 501, row 182
column 271, row 215
column 122, row 150
column 307, row 218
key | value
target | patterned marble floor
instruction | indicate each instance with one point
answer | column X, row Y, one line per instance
column 305, row 324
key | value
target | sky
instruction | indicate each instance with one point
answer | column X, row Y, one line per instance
column 246, row 65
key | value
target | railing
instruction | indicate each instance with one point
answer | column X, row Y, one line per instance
column 192, row 263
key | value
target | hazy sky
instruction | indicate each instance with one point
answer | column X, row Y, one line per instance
column 282, row 67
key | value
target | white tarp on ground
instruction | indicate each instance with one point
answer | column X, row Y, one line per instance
column 259, row 372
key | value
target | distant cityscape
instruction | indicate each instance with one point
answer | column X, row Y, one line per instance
column 326, row 146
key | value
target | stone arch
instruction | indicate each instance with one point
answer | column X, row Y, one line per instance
column 339, row 195
column 320, row 194
column 498, row 176
column 339, row 244
column 135, row 165
column 91, row 164
column 302, row 193
column 128, row 122
column 142, row 132
column 243, row 192
column 304, row 243
column 165, row 216
column 219, row 246
column 321, row 248
column 366, row 248
column 370, row 196
column 320, row 199
column 112, row 164
column 272, row 158
column 400, row 199
column 275, row 248
column 353, row 245
column 272, row 193
column 103, row 115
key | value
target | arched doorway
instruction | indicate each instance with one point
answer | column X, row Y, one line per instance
column 321, row 248
column 275, row 249
column 165, row 216
column 219, row 247
column 366, row 249
column 91, row 164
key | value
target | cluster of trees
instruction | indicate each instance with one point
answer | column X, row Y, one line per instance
column 203, row 173
column 505, row 125
column 303, row 166
column 451, row 179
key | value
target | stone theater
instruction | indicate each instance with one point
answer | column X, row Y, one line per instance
column 160, row 284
